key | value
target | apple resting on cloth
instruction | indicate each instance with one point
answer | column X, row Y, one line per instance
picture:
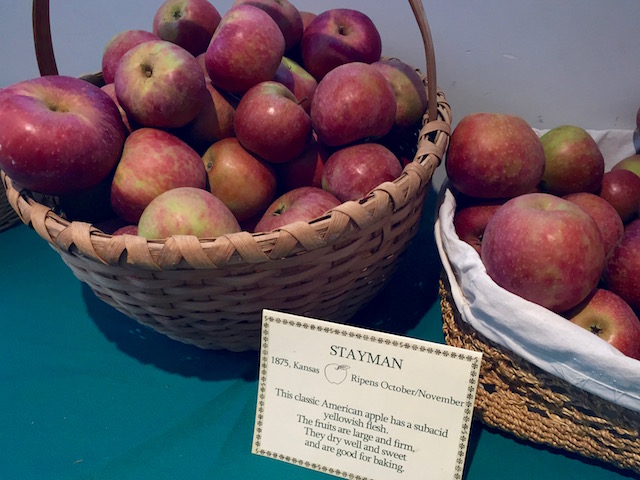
column 153, row 161
column 631, row 163
column 573, row 161
column 343, row 109
column 494, row 155
column 246, row 49
column 622, row 271
column 338, row 36
column 159, row 84
column 188, row 23
column 471, row 218
column 186, row 211
column 59, row 134
column 301, row 204
column 621, row 188
column 352, row 172
column 545, row 249
column 606, row 217
column 609, row 317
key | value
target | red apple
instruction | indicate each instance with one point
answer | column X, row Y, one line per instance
column 631, row 163
column 126, row 230
column 608, row 316
column 110, row 89
column 621, row 188
column 59, row 134
column 245, row 183
column 573, row 161
column 606, row 217
column 270, row 123
column 186, row 211
column 307, row 17
column 343, row 110
column 117, row 46
column 188, row 23
column 245, row 49
column 352, row 172
column 298, row 80
column 153, row 161
column 285, row 14
column 622, row 271
column 545, row 249
column 338, row 36
column 213, row 122
column 160, row 84
column 304, row 170
column 494, row 155
column 470, row 220
column 410, row 93
column 301, row 204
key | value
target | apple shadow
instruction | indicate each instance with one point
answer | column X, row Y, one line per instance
column 153, row 348
column 413, row 288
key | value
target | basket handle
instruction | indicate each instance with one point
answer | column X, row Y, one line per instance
column 47, row 61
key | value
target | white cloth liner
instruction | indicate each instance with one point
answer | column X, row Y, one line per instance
column 532, row 332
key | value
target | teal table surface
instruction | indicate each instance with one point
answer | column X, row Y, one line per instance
column 88, row 393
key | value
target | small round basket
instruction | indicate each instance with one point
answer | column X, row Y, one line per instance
column 210, row 292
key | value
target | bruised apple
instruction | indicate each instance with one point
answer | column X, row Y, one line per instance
column 186, row 211
column 544, row 249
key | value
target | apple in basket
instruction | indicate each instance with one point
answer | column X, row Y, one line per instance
column 573, row 161
column 186, row 211
column 622, row 271
column 410, row 93
column 298, row 80
column 153, row 161
column 59, row 134
column 606, row 217
column 621, row 188
column 338, row 36
column 117, row 46
column 246, row 49
column 300, row 204
column 352, row 172
column 110, row 90
column 159, row 84
column 477, row 163
column 245, row 183
column 544, row 249
column 471, row 218
column 631, row 163
column 342, row 110
column 304, row 170
column 286, row 16
column 270, row 122
column 213, row 122
column 609, row 317
column 188, row 23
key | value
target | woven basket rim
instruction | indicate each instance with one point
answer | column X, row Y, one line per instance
column 179, row 251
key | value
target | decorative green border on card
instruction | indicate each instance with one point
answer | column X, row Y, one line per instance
column 336, row 329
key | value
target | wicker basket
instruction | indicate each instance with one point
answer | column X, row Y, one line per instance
column 211, row 292
column 8, row 216
column 517, row 397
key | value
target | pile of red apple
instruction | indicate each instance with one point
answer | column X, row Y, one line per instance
column 549, row 223
column 208, row 124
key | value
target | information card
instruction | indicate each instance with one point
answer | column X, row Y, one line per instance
column 361, row 404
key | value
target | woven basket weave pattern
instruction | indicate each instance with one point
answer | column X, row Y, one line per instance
column 8, row 216
column 518, row 397
column 211, row 292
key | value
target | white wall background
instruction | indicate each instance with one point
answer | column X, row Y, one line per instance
column 550, row 61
